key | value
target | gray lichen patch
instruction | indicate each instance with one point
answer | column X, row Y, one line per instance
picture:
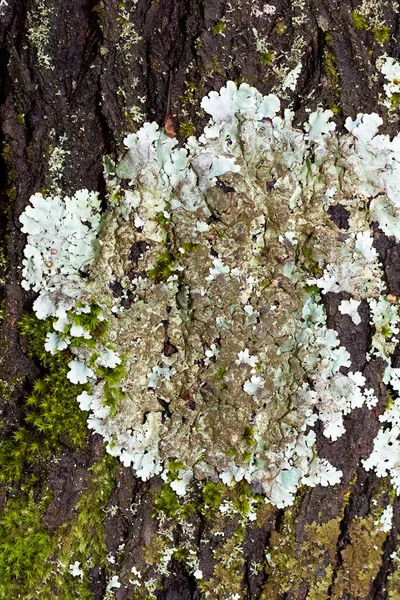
column 38, row 34
column 208, row 270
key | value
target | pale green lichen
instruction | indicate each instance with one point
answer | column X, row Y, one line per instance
column 243, row 205
column 39, row 31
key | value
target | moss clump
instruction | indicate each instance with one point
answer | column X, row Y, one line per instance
column 267, row 57
column 244, row 498
column 112, row 392
column 212, row 495
column 333, row 80
column 187, row 129
column 83, row 537
column 311, row 264
column 359, row 20
column 164, row 267
column 280, row 27
column 167, row 502
column 395, row 100
column 52, row 416
column 91, row 321
column 20, row 119
column 361, row 558
column 220, row 372
column 381, row 34
column 25, row 547
column 248, row 436
column 218, row 28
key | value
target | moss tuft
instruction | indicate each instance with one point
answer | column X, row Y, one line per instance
column 52, row 417
column 167, row 502
column 187, row 129
column 164, row 267
column 359, row 20
column 381, row 34
column 218, row 28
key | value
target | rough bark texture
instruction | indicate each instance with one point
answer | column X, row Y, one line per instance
column 75, row 77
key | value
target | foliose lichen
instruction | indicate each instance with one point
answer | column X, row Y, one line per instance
column 209, row 269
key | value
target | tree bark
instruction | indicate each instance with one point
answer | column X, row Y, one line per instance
column 76, row 77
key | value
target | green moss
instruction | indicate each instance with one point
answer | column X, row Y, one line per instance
column 220, row 372
column 164, row 267
column 25, row 546
column 248, row 436
column 310, row 263
column 244, row 498
column 179, row 554
column 267, row 57
column 391, row 398
column 20, row 119
column 187, row 511
column 167, row 502
column 279, row 27
column 174, row 467
column 386, row 331
column 187, row 129
column 212, row 495
column 91, row 321
column 190, row 246
column 381, row 34
column 52, row 416
column 81, row 538
column 359, row 20
column 333, row 80
column 395, row 100
column 112, row 391
column 361, row 558
column 218, row 28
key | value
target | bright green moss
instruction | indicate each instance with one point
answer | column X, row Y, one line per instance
column 243, row 497
column 90, row 321
column 359, row 20
column 212, row 494
column 220, row 372
column 381, row 34
column 218, row 28
column 164, row 267
column 267, row 57
column 81, row 538
column 52, row 415
column 187, row 129
column 248, row 435
column 386, row 331
column 167, row 502
column 25, row 547
column 395, row 99
column 280, row 27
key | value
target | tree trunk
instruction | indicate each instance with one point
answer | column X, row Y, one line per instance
column 76, row 78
